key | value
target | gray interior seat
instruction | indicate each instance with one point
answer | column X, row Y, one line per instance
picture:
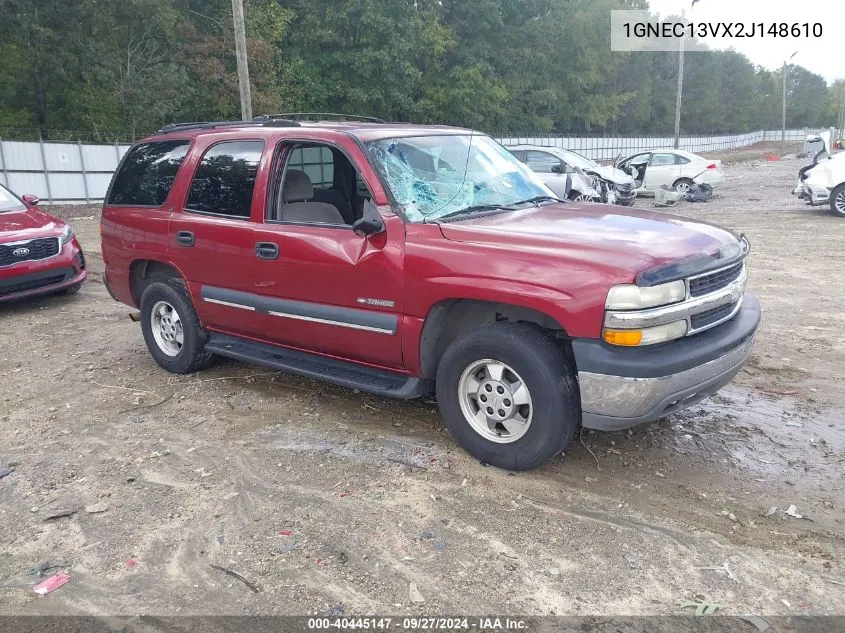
column 297, row 206
column 337, row 200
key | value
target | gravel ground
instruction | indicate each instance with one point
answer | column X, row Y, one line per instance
column 328, row 501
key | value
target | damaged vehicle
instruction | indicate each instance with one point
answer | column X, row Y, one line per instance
column 675, row 168
column 575, row 177
column 406, row 260
column 823, row 181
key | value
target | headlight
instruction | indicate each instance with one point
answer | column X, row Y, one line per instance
column 646, row 336
column 631, row 297
column 67, row 234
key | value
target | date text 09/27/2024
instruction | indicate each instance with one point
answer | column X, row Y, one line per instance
column 376, row 623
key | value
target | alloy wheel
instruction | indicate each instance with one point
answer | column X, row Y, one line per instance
column 495, row 401
column 166, row 326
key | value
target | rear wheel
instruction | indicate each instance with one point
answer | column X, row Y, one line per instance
column 683, row 185
column 508, row 395
column 837, row 200
column 171, row 328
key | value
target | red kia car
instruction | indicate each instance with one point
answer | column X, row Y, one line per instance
column 39, row 254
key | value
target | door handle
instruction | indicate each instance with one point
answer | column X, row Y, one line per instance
column 267, row 250
column 184, row 238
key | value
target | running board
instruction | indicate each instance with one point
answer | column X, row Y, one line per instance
column 377, row 381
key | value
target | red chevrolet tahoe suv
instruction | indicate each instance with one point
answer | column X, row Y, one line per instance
column 403, row 259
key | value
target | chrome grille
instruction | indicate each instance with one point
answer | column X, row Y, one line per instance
column 31, row 250
column 711, row 282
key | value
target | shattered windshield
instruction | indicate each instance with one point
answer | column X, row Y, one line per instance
column 433, row 176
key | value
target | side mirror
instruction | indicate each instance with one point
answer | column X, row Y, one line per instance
column 30, row 198
column 557, row 169
column 368, row 226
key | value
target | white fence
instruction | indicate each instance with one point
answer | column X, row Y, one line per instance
column 608, row 148
column 59, row 172
column 77, row 172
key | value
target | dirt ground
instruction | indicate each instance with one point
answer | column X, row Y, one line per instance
column 330, row 501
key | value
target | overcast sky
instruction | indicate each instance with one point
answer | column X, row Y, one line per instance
column 825, row 56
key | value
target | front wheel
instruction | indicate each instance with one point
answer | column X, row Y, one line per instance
column 508, row 395
column 837, row 200
column 575, row 196
column 171, row 328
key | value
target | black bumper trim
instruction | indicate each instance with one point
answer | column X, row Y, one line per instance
column 33, row 279
column 654, row 361
column 108, row 287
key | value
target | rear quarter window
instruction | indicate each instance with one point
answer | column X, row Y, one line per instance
column 147, row 173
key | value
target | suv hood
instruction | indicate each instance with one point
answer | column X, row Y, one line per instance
column 631, row 241
column 27, row 224
column 614, row 175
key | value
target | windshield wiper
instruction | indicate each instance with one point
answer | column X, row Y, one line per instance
column 537, row 200
column 479, row 208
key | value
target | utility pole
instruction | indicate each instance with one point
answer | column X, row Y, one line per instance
column 243, row 65
column 842, row 117
column 679, row 97
column 783, row 119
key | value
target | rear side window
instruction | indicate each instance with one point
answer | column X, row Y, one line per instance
column 541, row 162
column 147, row 173
column 225, row 179
column 661, row 160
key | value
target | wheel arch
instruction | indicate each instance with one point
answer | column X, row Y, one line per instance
column 449, row 319
column 834, row 195
column 142, row 272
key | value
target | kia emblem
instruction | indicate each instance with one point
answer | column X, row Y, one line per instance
column 20, row 252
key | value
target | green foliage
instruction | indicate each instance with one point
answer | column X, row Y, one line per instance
column 126, row 67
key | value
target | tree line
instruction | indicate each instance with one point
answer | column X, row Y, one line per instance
column 123, row 68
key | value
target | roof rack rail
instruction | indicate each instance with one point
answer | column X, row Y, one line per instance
column 207, row 125
column 316, row 116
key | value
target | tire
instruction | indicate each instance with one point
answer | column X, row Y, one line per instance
column 70, row 290
column 177, row 344
column 575, row 196
column 682, row 185
column 837, row 200
column 554, row 409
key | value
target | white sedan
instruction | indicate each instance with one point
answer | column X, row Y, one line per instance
column 674, row 168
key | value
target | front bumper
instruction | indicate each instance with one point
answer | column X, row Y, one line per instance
column 626, row 200
column 623, row 387
column 815, row 195
column 36, row 277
